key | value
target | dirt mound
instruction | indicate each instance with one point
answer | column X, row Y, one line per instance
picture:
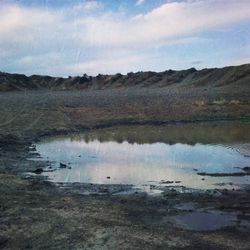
column 216, row 77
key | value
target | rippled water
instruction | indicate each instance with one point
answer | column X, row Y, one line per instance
column 144, row 155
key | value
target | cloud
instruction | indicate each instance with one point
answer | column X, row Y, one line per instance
column 108, row 64
column 170, row 20
column 15, row 20
column 86, row 37
column 140, row 2
column 88, row 5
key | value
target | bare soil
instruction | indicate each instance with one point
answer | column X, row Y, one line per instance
column 37, row 214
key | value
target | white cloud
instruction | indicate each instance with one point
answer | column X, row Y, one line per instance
column 87, row 5
column 91, row 40
column 170, row 20
column 140, row 2
column 15, row 20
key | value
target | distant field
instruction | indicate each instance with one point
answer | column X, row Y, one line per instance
column 42, row 111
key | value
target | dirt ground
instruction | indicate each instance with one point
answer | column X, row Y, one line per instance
column 38, row 112
column 37, row 214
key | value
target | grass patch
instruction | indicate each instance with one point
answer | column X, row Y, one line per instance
column 219, row 102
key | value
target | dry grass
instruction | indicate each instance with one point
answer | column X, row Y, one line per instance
column 219, row 102
column 235, row 102
column 199, row 103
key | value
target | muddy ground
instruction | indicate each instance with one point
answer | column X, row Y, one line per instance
column 37, row 214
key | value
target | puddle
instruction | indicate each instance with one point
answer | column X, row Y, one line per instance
column 208, row 221
column 149, row 157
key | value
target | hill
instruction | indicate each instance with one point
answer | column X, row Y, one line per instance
column 214, row 77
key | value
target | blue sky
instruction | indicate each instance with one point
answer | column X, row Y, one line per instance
column 65, row 37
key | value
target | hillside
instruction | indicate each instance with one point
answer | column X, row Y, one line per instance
column 215, row 77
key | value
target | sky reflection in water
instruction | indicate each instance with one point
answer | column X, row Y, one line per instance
column 132, row 163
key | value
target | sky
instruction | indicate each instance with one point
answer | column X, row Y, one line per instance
column 66, row 37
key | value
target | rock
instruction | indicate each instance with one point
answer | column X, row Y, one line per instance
column 38, row 171
column 224, row 174
column 62, row 165
column 167, row 182
column 246, row 169
column 32, row 148
column 34, row 154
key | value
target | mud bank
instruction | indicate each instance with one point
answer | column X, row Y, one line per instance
column 36, row 214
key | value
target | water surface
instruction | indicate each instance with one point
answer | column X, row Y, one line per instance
column 207, row 221
column 146, row 156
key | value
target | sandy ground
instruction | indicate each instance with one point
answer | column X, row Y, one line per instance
column 36, row 214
